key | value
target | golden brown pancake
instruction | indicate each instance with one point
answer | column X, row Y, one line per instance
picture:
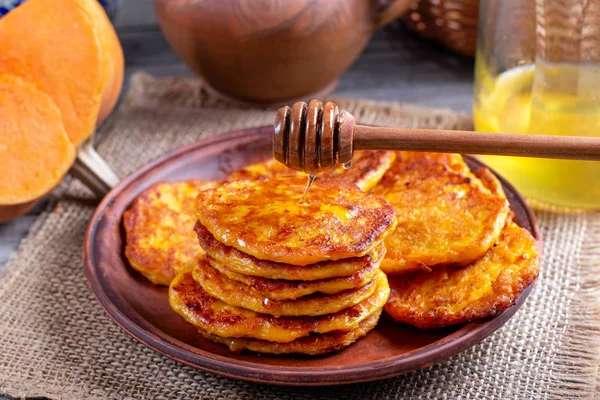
column 263, row 170
column 455, row 295
column 444, row 217
column 196, row 306
column 276, row 220
column 367, row 168
column 314, row 344
column 159, row 229
column 453, row 161
column 249, row 266
column 279, row 289
column 238, row 294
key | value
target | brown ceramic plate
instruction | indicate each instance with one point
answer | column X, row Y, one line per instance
column 142, row 309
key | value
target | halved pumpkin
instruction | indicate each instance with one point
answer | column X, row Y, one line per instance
column 70, row 51
column 35, row 151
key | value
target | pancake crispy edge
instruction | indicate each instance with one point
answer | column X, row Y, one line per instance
column 159, row 229
column 368, row 166
column 315, row 344
column 266, row 169
column 196, row 306
column 238, row 294
column 280, row 289
column 276, row 220
column 455, row 295
column 248, row 265
column 453, row 161
column 444, row 217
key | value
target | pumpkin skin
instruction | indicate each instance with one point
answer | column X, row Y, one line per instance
column 113, row 59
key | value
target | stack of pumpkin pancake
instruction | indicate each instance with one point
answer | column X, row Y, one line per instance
column 286, row 271
column 279, row 270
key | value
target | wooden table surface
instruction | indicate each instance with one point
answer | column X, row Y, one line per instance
column 396, row 66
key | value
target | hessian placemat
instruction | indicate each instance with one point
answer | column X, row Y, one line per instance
column 57, row 342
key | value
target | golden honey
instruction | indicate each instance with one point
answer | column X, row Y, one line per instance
column 554, row 99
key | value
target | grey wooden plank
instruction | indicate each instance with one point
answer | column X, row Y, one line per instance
column 398, row 66
column 145, row 48
column 135, row 13
column 12, row 232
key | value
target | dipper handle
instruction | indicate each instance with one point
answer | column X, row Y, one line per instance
column 313, row 137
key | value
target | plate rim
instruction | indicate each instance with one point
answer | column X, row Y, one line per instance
column 450, row 345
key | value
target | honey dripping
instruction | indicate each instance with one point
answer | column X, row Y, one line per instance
column 309, row 182
column 313, row 177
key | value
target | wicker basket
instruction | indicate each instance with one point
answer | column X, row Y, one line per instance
column 452, row 23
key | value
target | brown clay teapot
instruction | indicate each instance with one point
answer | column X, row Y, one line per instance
column 272, row 51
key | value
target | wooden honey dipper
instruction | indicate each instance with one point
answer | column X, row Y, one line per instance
column 313, row 137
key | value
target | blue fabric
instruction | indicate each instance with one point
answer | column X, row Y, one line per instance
column 111, row 7
column 7, row 5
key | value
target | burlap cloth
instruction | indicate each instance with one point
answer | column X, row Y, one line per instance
column 57, row 342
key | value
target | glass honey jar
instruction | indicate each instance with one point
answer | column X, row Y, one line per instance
column 538, row 72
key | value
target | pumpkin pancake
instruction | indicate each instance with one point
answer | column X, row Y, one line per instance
column 444, row 217
column 367, row 169
column 238, row 294
column 159, row 229
column 276, row 220
column 245, row 264
column 196, row 306
column 368, row 166
column 263, row 170
column 453, row 161
column 279, row 289
column 314, row 344
column 455, row 295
